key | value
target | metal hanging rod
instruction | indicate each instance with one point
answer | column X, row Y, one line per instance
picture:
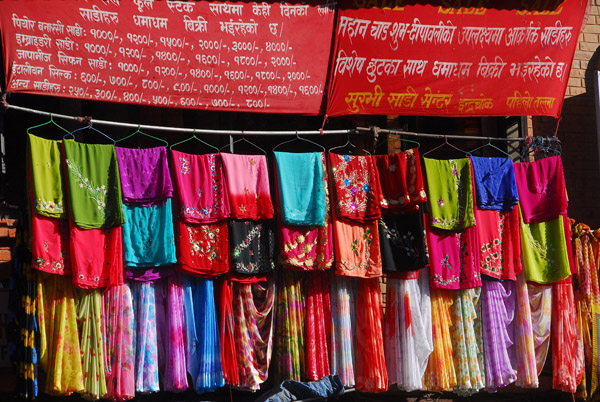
column 174, row 129
column 378, row 130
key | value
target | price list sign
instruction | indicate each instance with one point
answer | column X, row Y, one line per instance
column 444, row 59
column 267, row 57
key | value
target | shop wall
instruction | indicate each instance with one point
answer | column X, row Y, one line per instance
column 577, row 127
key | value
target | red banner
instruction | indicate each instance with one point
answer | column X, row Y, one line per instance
column 441, row 59
column 240, row 56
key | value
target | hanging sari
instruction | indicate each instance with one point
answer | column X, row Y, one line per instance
column 253, row 310
column 227, row 327
column 203, row 250
column 50, row 245
column 145, row 176
column 119, row 353
column 47, row 185
column 370, row 369
column 408, row 333
column 248, row 186
column 252, row 247
column 402, row 242
column 60, row 356
column 440, row 374
column 200, row 187
column 89, row 322
column 343, row 293
column 317, row 326
column 498, row 312
column 145, row 337
column 524, row 356
column 450, row 190
column 400, row 181
column 289, row 345
column 540, row 301
column 94, row 185
column 202, row 335
column 495, row 183
column 357, row 251
column 355, row 188
column 470, row 378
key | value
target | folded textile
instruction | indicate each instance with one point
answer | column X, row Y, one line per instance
column 450, row 189
column 200, row 187
column 46, row 177
column 291, row 390
column 203, row 250
column 252, row 247
column 301, row 188
column 542, row 192
column 357, row 251
column 495, row 183
column 355, row 187
column 248, row 186
column 50, row 245
column 94, row 185
column 145, row 177
column 402, row 242
column 401, row 186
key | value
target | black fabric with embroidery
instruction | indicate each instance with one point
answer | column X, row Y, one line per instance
column 402, row 242
column 252, row 247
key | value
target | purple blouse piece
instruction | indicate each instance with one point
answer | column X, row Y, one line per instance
column 149, row 275
column 145, row 177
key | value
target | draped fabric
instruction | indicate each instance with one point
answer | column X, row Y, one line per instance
column 400, row 180
column 290, row 327
column 94, row 185
column 47, row 184
column 145, row 176
column 148, row 238
column 499, row 243
column 567, row 364
column 253, row 309
column 355, row 187
column 343, row 324
column 450, row 190
column 301, row 191
column 540, row 301
column 202, row 335
column 402, row 242
column 252, row 247
column 525, row 359
column 226, row 331
column 541, row 185
column 50, row 245
column 119, row 353
column 441, row 374
column 89, row 322
column 59, row 354
column 248, row 186
column 145, row 337
column 96, row 257
column 544, row 251
column 317, row 326
column 203, row 250
column 495, row 183
column 470, row 374
column 498, row 313
column 454, row 258
column 370, row 369
column 200, row 187
column 408, row 332
column 357, row 251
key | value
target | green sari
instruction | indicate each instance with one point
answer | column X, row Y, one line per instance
column 94, row 185
column 46, row 177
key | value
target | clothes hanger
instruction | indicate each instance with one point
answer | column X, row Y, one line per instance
column 489, row 144
column 537, row 143
column 394, row 138
column 193, row 137
column 51, row 121
column 442, row 144
column 246, row 141
column 89, row 126
column 298, row 138
column 138, row 131
column 349, row 143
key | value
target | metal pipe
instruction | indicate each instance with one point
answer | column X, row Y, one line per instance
column 378, row 130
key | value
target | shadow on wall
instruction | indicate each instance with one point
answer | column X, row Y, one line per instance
column 577, row 133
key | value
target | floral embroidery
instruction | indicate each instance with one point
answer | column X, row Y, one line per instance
column 446, row 263
column 184, row 164
column 354, row 185
column 437, row 278
column 461, row 192
column 367, row 237
column 537, row 246
column 491, row 252
column 249, row 237
column 48, row 206
column 242, row 208
column 207, row 245
column 441, row 202
column 98, row 194
column 404, row 241
column 199, row 192
column 49, row 266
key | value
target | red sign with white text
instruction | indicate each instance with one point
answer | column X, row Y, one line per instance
column 508, row 58
column 241, row 56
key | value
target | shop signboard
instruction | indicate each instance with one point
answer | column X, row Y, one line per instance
column 453, row 58
column 268, row 56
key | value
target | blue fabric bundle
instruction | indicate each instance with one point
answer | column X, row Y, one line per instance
column 495, row 183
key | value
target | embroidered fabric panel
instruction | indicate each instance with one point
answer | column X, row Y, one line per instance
column 252, row 247
column 50, row 242
column 357, row 251
column 402, row 240
column 203, row 250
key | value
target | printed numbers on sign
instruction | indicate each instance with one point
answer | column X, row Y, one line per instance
column 166, row 71
column 215, row 89
column 188, row 102
column 132, row 97
column 208, row 59
column 200, row 73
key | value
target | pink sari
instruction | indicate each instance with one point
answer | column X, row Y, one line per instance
column 50, row 245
